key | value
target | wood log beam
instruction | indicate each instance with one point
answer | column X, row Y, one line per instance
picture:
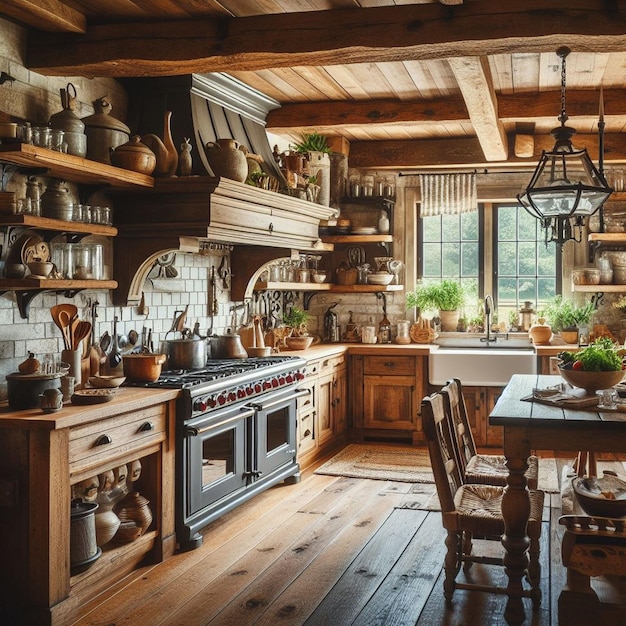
column 378, row 34
column 45, row 15
column 474, row 79
column 466, row 152
column 511, row 107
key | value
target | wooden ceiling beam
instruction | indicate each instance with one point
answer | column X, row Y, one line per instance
column 524, row 107
column 334, row 37
column 466, row 152
column 366, row 112
column 474, row 79
column 45, row 15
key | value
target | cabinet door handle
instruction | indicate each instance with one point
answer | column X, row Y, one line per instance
column 103, row 440
column 146, row 426
column 389, row 364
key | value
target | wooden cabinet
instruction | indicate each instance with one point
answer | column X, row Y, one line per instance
column 323, row 412
column 479, row 401
column 43, row 458
column 387, row 392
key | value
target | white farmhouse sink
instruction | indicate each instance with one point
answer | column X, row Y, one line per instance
column 484, row 367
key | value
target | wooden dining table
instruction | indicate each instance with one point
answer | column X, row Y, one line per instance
column 533, row 425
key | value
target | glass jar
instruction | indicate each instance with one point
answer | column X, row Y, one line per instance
column 403, row 329
column 354, row 183
column 367, row 185
column 379, row 186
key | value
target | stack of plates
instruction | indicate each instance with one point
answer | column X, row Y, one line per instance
column 365, row 230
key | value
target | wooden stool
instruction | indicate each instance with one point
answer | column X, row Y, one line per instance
column 584, row 461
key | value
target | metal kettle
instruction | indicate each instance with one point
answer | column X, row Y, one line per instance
column 331, row 325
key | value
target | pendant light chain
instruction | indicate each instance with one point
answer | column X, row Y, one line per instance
column 563, row 52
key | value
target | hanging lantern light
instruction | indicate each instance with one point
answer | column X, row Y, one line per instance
column 566, row 186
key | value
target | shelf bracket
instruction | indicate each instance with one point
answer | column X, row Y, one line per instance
column 594, row 246
column 596, row 299
column 25, row 297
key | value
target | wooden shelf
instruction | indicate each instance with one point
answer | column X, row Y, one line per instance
column 53, row 284
column 332, row 287
column 608, row 238
column 287, row 286
column 599, row 288
column 48, row 223
column 72, row 168
column 357, row 239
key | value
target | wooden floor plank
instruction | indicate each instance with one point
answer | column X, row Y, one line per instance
column 399, row 600
column 368, row 570
column 298, row 601
column 252, row 583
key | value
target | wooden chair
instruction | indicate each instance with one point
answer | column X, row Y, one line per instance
column 485, row 469
column 471, row 511
column 593, row 547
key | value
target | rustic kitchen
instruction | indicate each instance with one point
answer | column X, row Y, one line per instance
column 211, row 282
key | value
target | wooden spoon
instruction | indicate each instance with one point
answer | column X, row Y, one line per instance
column 81, row 331
column 65, row 322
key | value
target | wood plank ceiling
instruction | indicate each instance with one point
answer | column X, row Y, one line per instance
column 429, row 83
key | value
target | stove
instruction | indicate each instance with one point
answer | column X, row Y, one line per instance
column 236, row 435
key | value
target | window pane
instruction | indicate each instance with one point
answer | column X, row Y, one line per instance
column 527, row 270
column 431, row 263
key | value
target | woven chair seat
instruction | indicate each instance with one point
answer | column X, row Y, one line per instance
column 490, row 469
column 479, row 509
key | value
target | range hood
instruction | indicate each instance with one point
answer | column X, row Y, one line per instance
column 191, row 214
column 188, row 214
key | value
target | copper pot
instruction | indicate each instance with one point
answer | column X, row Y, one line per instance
column 143, row 368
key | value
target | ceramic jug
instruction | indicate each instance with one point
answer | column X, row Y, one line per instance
column 227, row 160
column 164, row 150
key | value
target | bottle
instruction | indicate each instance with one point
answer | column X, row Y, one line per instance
column 384, row 330
column 383, row 223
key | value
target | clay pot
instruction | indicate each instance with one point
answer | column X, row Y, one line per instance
column 540, row 334
column 164, row 149
column 134, row 508
column 134, row 156
column 227, row 160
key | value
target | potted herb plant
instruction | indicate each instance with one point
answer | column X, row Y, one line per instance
column 299, row 338
column 567, row 318
column 447, row 297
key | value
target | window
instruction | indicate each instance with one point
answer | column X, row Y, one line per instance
column 526, row 269
column 520, row 268
column 451, row 247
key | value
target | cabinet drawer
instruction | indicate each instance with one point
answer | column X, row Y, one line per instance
column 331, row 364
column 390, row 365
column 95, row 443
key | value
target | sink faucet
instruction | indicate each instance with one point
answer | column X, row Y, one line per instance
column 488, row 311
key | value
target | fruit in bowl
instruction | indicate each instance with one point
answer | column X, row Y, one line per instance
column 598, row 366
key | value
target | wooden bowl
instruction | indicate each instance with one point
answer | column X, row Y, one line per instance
column 592, row 381
column 106, row 382
column 603, row 496
column 299, row 343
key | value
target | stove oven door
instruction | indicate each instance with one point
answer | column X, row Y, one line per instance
column 218, row 456
column 275, row 445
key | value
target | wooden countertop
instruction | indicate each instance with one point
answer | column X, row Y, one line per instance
column 127, row 399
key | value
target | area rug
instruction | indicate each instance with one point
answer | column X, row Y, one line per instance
column 380, row 462
column 406, row 464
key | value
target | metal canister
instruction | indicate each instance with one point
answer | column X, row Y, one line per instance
column 331, row 325
column 104, row 132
